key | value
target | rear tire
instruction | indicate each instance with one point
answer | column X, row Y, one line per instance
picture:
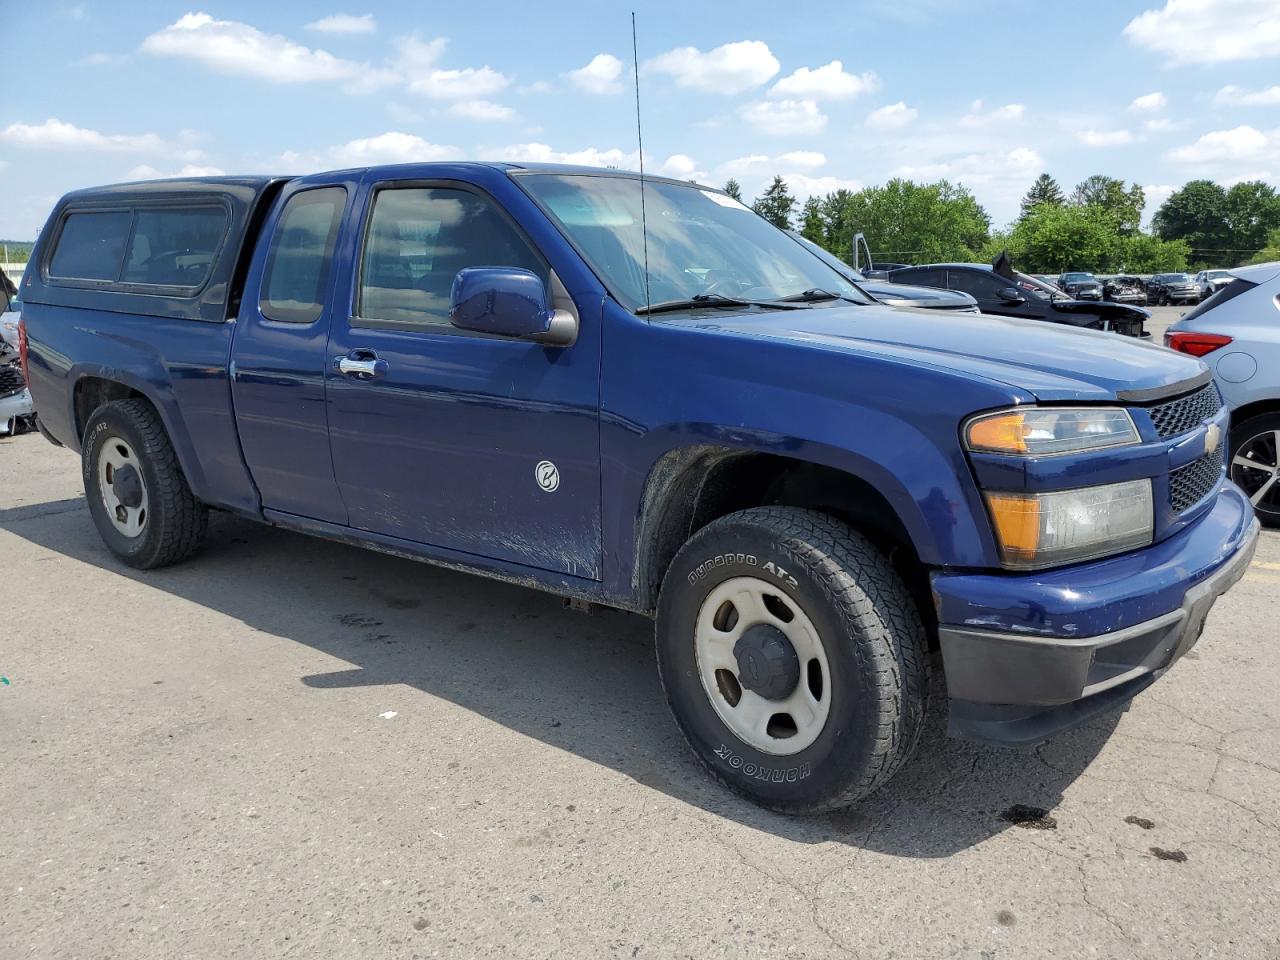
column 861, row 689
column 1257, row 441
column 138, row 496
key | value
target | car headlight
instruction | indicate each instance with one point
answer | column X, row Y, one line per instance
column 1036, row 530
column 1050, row 431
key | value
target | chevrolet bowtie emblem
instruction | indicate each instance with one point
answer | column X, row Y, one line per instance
column 1212, row 437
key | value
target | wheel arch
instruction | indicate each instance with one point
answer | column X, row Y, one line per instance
column 1254, row 409
column 689, row 487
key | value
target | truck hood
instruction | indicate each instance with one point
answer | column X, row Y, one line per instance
column 1051, row 362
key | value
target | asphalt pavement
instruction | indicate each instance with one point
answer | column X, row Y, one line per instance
column 293, row 748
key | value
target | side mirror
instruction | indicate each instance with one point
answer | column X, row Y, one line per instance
column 1011, row 295
column 509, row 302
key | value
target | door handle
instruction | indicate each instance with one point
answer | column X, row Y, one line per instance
column 361, row 364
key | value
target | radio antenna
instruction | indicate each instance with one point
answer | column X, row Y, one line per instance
column 644, row 223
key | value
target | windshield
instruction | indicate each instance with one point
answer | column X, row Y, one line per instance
column 827, row 257
column 1217, row 274
column 1077, row 276
column 701, row 244
column 1174, row 278
column 1036, row 287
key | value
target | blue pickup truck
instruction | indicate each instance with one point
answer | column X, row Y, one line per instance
column 635, row 392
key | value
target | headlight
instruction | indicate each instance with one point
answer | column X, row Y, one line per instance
column 1046, row 529
column 1049, row 431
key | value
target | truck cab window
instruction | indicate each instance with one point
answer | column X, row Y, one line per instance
column 293, row 285
column 418, row 240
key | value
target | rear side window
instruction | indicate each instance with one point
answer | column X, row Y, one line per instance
column 298, row 265
column 1229, row 292
column 174, row 247
column 418, row 240
column 91, row 245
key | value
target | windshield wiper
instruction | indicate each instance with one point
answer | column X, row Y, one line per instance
column 815, row 295
column 713, row 300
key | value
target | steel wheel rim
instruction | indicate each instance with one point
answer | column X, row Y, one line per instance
column 114, row 455
column 752, row 718
column 1255, row 468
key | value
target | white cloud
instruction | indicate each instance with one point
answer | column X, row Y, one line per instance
column 55, row 134
column 1155, row 195
column 1233, row 96
column 739, row 167
column 536, row 88
column 1149, row 102
column 600, row 76
column 229, row 46
column 344, row 23
column 469, row 82
column 731, row 68
column 803, row 186
column 980, row 117
column 103, row 60
column 1001, row 175
column 892, row 117
column 1104, row 138
column 1209, row 31
column 481, row 110
column 390, row 147
column 803, row 159
column 679, row 166
column 784, row 118
column 1241, row 143
column 589, row 156
column 828, row 82
column 1163, row 125
column 147, row 172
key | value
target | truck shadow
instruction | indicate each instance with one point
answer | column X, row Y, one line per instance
column 586, row 684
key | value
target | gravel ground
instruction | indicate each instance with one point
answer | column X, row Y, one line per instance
column 288, row 747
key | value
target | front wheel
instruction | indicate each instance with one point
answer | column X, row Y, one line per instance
column 1255, row 464
column 793, row 657
column 138, row 496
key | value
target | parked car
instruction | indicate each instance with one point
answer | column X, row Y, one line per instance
column 17, row 412
column 1047, row 280
column 1012, row 294
column 892, row 294
column 1080, row 286
column 470, row 364
column 1237, row 332
column 1125, row 290
column 1169, row 288
column 1209, row 282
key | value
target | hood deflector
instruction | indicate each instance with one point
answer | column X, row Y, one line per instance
column 1162, row 393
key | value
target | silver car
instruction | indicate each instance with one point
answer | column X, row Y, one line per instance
column 1209, row 282
column 1237, row 333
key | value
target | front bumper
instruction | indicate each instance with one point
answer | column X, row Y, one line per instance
column 16, row 405
column 1022, row 684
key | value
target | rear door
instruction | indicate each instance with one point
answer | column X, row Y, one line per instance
column 279, row 354
column 483, row 445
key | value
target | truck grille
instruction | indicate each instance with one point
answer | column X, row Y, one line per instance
column 1190, row 484
column 1186, row 413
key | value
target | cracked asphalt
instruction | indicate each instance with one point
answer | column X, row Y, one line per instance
column 294, row 748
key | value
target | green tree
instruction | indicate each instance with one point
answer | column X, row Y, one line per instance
column 1044, row 190
column 1197, row 214
column 734, row 189
column 1271, row 252
column 912, row 222
column 1252, row 212
column 1053, row 239
column 1109, row 194
column 776, row 204
column 837, row 227
column 1143, row 253
column 811, row 227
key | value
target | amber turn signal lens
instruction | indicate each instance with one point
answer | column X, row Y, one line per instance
column 1005, row 433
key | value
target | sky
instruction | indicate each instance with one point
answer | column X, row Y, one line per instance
column 989, row 93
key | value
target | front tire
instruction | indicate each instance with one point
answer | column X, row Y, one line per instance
column 793, row 658
column 138, row 496
column 1255, row 464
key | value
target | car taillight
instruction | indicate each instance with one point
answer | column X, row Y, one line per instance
column 1196, row 344
column 22, row 351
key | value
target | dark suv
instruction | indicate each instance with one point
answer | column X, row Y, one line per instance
column 1166, row 288
column 1013, row 294
column 1080, row 286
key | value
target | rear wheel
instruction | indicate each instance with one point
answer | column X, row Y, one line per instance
column 1255, row 464
column 138, row 496
column 793, row 658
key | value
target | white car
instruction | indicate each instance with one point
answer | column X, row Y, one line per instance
column 1209, row 282
column 1237, row 333
column 16, row 406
